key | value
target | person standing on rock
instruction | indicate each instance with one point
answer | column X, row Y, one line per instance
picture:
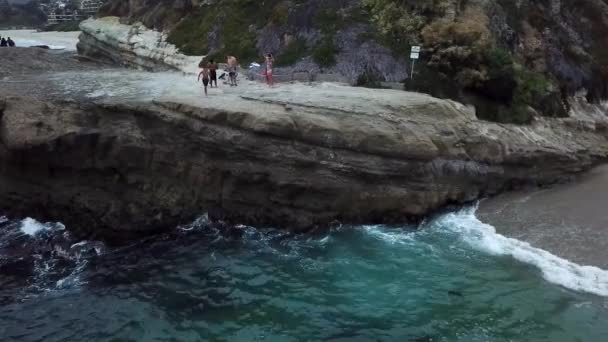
column 232, row 69
column 213, row 73
column 269, row 63
column 204, row 75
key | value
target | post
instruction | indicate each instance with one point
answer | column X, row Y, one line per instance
column 414, row 55
column 413, row 65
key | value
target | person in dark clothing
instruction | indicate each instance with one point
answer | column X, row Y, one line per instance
column 3, row 43
column 10, row 42
column 213, row 73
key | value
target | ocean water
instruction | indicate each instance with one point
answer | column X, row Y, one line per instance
column 54, row 40
column 450, row 279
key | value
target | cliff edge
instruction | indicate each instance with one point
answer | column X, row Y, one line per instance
column 296, row 156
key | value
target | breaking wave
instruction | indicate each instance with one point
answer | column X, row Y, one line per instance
column 483, row 237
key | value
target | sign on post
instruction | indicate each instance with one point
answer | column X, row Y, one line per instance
column 414, row 55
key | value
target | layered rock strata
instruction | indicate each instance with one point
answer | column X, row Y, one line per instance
column 294, row 157
column 106, row 39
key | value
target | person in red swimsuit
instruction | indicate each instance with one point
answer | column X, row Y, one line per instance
column 269, row 63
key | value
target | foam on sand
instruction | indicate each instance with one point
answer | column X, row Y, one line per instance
column 560, row 271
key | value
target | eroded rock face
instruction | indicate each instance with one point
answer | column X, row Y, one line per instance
column 354, row 155
column 135, row 46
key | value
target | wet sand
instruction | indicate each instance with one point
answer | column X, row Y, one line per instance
column 569, row 220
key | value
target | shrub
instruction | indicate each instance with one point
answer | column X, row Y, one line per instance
column 190, row 35
column 369, row 80
column 327, row 20
column 66, row 26
column 470, row 33
column 399, row 22
column 325, row 53
column 280, row 14
column 294, row 51
column 500, row 63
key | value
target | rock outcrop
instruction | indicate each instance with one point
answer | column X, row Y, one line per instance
column 135, row 46
column 295, row 157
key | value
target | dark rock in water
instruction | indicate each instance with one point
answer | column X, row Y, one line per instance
column 17, row 267
column 46, row 47
column 455, row 293
column 216, row 214
column 20, row 60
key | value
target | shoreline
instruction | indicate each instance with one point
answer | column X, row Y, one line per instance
column 54, row 39
column 566, row 219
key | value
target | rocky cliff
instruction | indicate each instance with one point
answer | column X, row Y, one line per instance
column 295, row 156
column 133, row 46
column 511, row 59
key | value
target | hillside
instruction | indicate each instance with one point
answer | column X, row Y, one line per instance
column 512, row 60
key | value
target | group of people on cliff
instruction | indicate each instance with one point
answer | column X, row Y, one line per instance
column 6, row 42
column 208, row 71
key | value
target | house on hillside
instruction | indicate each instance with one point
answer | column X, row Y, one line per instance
column 76, row 10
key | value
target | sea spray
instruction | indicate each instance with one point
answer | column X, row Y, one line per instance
column 31, row 227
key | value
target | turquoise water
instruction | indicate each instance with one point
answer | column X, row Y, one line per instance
column 452, row 280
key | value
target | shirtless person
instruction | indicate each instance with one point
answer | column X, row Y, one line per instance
column 213, row 73
column 232, row 68
column 204, row 74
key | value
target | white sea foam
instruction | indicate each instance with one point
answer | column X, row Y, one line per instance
column 31, row 227
column 483, row 237
column 393, row 237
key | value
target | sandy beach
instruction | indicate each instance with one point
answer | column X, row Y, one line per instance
column 568, row 220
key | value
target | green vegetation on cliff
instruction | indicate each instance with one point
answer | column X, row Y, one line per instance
column 462, row 52
column 230, row 27
column 64, row 26
column 511, row 59
column 235, row 21
column 294, row 51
